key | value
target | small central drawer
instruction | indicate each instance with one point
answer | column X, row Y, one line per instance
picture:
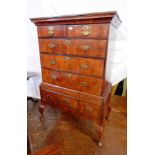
column 85, row 66
column 81, row 83
column 79, row 47
column 52, row 31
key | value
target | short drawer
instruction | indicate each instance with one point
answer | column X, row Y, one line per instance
column 88, row 31
column 52, row 31
column 85, row 66
column 78, row 47
column 90, row 110
column 58, row 100
column 90, row 85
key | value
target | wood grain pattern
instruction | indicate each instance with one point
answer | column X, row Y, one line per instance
column 74, row 93
column 85, row 66
column 70, row 104
column 91, row 85
column 58, row 31
column 87, row 18
column 78, row 47
column 97, row 31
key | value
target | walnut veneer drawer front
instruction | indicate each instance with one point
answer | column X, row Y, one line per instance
column 52, row 31
column 79, row 47
column 88, row 31
column 81, row 83
column 85, row 66
column 58, row 99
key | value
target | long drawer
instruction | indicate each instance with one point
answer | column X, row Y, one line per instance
column 85, row 66
column 70, row 104
column 81, row 83
column 78, row 47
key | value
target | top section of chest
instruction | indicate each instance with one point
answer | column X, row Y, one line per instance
column 91, row 26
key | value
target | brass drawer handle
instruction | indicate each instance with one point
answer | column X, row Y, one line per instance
column 66, row 100
column 83, row 66
column 85, row 47
column 53, row 62
column 86, row 33
column 50, row 30
column 67, row 42
column 51, row 45
column 83, row 84
column 54, row 77
column 88, row 108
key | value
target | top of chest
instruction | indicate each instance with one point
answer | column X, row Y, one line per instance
column 88, row 18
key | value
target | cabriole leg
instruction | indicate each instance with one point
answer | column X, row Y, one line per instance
column 41, row 110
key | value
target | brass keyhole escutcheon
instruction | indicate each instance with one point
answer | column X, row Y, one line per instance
column 85, row 27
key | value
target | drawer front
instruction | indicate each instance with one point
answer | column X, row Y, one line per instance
column 58, row 100
column 79, row 47
column 89, row 109
column 90, row 85
column 85, row 66
column 88, row 31
column 52, row 31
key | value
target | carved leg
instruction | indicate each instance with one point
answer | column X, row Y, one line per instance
column 41, row 110
column 109, row 106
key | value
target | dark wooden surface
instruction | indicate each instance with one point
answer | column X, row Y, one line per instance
column 86, row 84
column 74, row 57
column 85, row 47
column 87, row 18
column 85, row 66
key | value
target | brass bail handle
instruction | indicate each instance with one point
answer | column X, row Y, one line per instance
column 52, row 62
column 84, row 84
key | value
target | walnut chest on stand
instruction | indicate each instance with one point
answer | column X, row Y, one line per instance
column 74, row 53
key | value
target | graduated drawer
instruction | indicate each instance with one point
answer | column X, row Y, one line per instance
column 58, row 100
column 52, row 31
column 85, row 66
column 88, row 31
column 70, row 104
column 79, row 47
column 90, row 85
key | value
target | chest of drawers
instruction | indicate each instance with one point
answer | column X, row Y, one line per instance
column 74, row 60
